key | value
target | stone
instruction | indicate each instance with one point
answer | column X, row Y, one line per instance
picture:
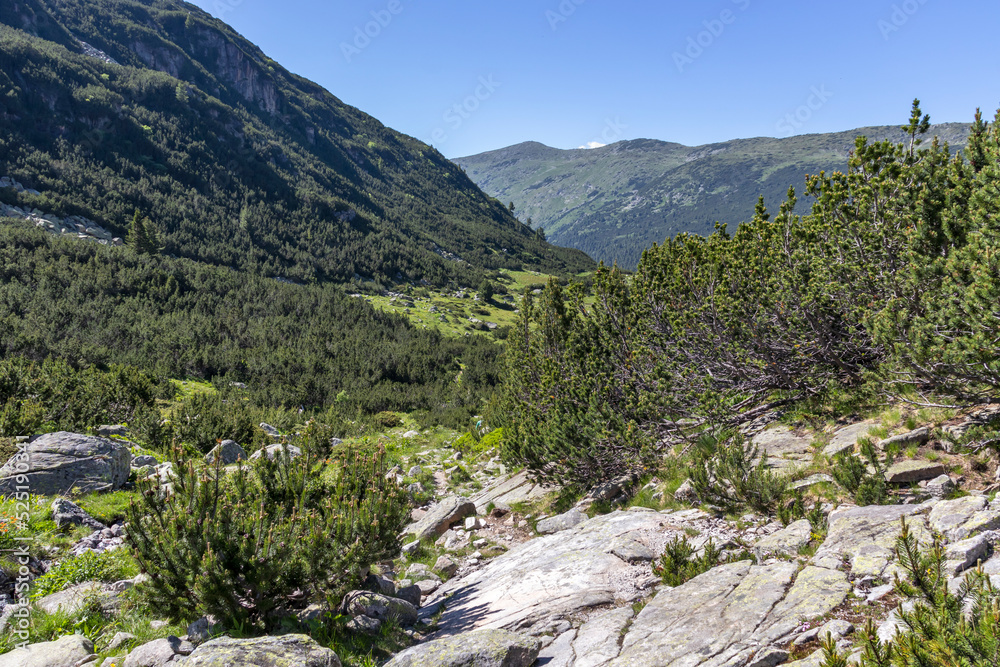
column 378, row 584
column 56, row 463
column 559, row 653
column 382, row 607
column 411, row 594
column 66, row 651
column 415, row 471
column 144, row 460
column 481, row 648
column 409, row 435
column 959, row 518
column 158, row 652
column 411, row 547
column 549, row 577
column 612, row 490
column 629, row 550
column 275, row 451
column 118, row 641
column 446, row 566
column 866, row 536
column 768, row 656
column 916, row 437
column 730, row 614
column 962, row 555
column 685, row 493
column 907, row 472
column 201, row 630
column 837, row 629
column 846, row 438
column 107, row 430
column 815, row 659
column 504, row 491
column 269, row 430
column 428, row 586
column 69, row 600
column 564, row 521
column 940, row 486
column 472, row 523
column 279, row 651
column 441, row 516
column 787, row 540
column 67, row 513
column 597, row 640
column 227, row 453
column 784, row 448
column 365, row 625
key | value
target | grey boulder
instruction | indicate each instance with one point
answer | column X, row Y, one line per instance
column 158, row 652
column 480, row 648
column 65, row 651
column 283, row 651
column 67, row 513
column 54, row 463
column 227, row 453
column 441, row 517
column 378, row 606
column 276, row 452
column 574, row 517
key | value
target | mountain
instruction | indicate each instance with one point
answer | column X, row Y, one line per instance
column 614, row 202
column 108, row 106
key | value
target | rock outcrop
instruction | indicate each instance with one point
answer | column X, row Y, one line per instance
column 282, row 651
column 56, row 463
column 483, row 648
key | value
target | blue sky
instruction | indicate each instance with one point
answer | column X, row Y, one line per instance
column 473, row 76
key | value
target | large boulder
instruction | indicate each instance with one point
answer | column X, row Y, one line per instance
column 283, row 651
column 66, row 651
column 227, row 453
column 554, row 524
column 845, row 439
column 481, row 648
column 55, row 463
column 441, row 517
column 277, row 452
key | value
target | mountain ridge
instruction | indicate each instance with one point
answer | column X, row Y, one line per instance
column 615, row 201
column 237, row 160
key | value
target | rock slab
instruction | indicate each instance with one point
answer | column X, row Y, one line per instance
column 481, row 648
column 67, row 650
column 55, row 463
column 283, row 651
column 441, row 517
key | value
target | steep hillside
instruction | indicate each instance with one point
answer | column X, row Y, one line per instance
column 112, row 105
column 616, row 201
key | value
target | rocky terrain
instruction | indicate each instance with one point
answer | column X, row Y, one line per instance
column 490, row 575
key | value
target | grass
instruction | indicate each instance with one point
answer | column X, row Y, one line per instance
column 107, row 508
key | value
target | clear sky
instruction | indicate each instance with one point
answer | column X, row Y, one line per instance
column 476, row 75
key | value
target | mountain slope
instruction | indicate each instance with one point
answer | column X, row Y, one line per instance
column 614, row 202
column 112, row 105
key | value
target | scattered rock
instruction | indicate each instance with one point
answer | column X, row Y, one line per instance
column 106, row 431
column 297, row 650
column 446, row 566
column 472, row 523
column 55, row 463
column 227, row 452
column 67, row 513
column 916, row 437
column 67, row 650
column 274, row 451
column 441, row 516
column 787, row 540
column 812, row 480
column 482, row 648
column 907, row 472
column 409, row 435
column 612, row 491
column 415, row 471
column 411, row 594
column 554, row 524
column 959, row 518
column 144, row 460
column 201, row 630
column 365, row 625
column 269, row 430
column 382, row 607
column 940, row 486
column 960, row 556
column 846, row 438
column 158, row 652
column 686, row 493
column 506, row 490
column 118, row 641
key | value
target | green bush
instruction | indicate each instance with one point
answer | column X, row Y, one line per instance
column 733, row 474
column 944, row 628
column 862, row 476
column 273, row 536
column 679, row 564
column 387, row 419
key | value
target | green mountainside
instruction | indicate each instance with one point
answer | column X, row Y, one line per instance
column 108, row 106
column 616, row 201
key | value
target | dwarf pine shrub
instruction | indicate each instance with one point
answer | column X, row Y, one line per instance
column 252, row 545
